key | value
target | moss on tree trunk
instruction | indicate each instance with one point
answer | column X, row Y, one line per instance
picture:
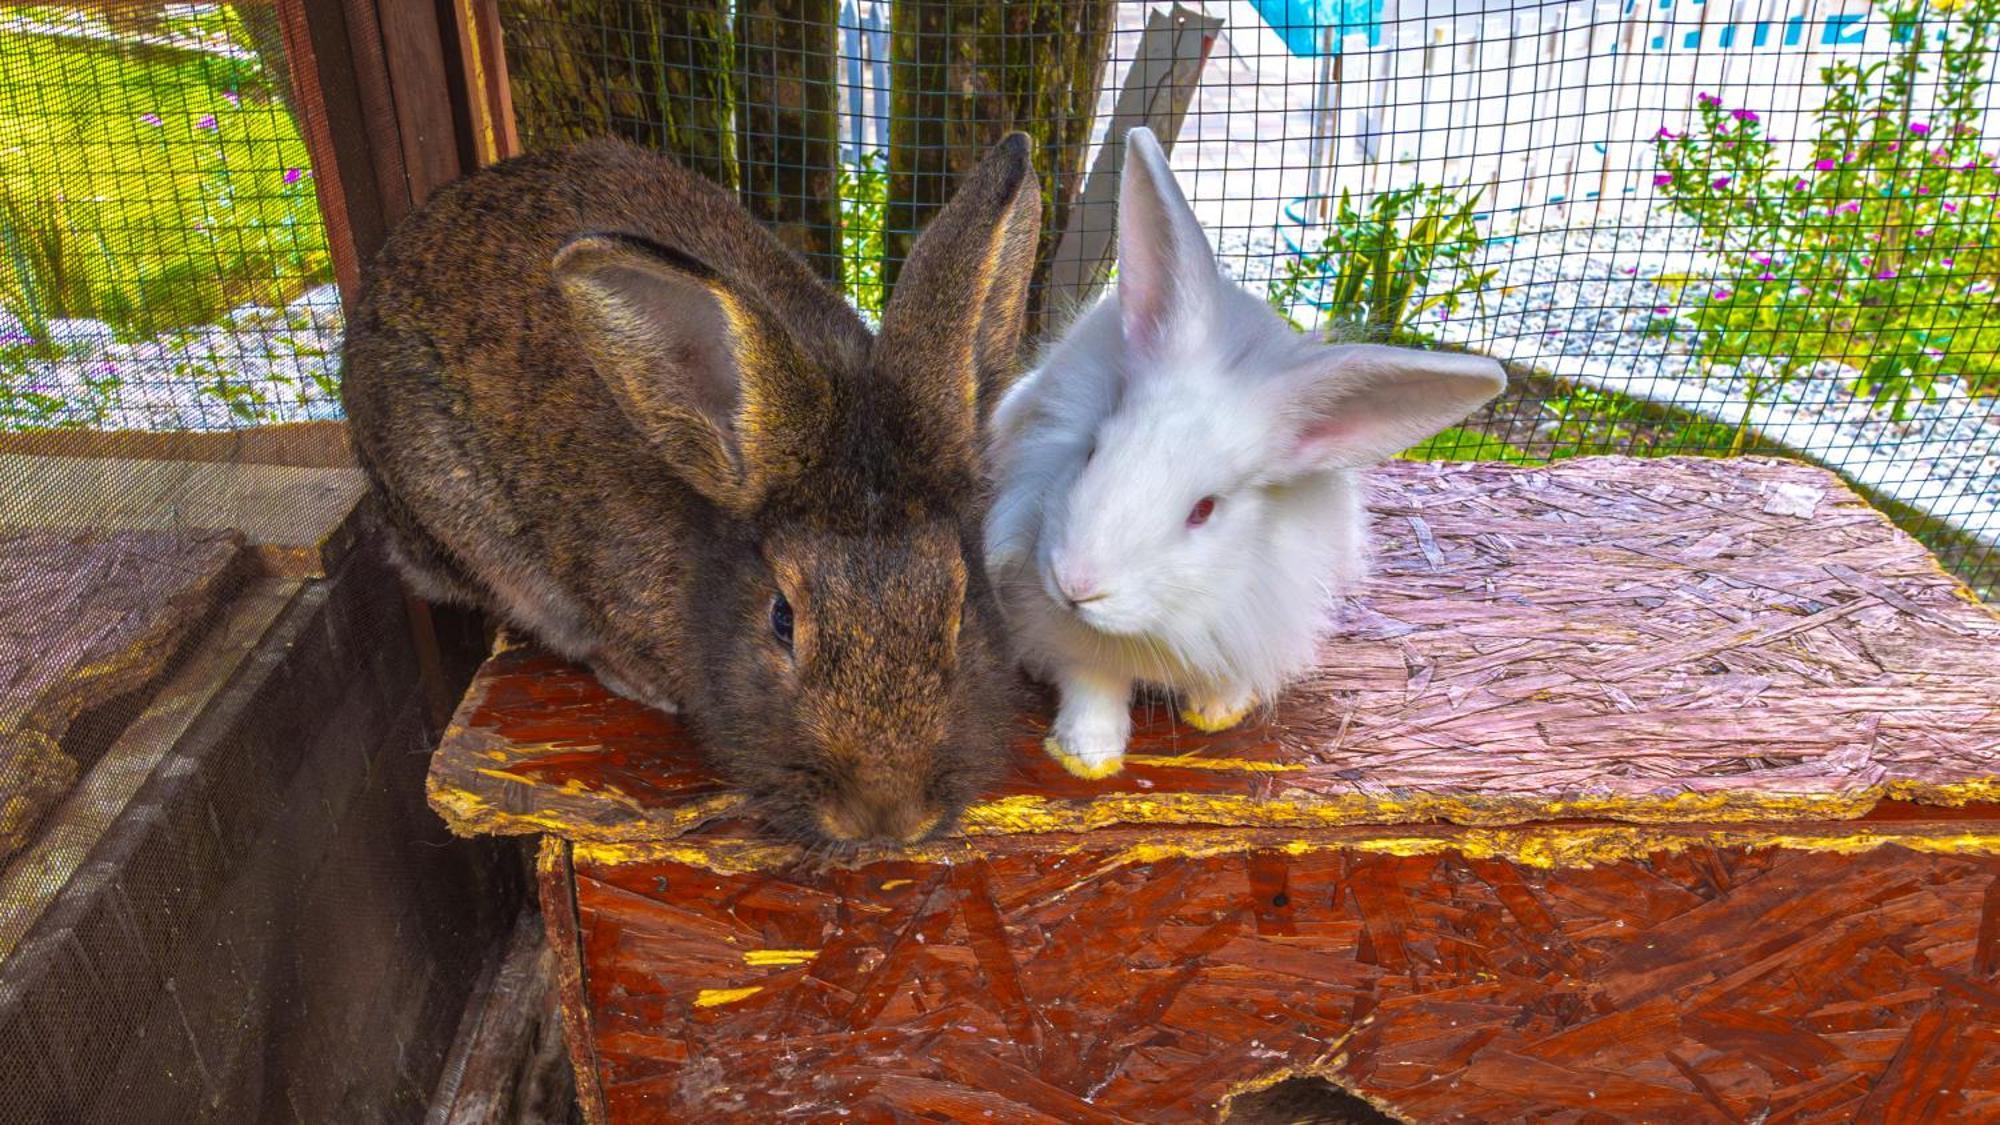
column 656, row 74
column 963, row 75
column 788, row 122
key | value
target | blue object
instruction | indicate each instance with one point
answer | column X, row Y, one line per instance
column 1302, row 23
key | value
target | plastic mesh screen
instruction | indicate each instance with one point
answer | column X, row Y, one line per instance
column 1690, row 228
column 222, row 897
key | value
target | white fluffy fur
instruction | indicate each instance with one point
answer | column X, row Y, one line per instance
column 1179, row 386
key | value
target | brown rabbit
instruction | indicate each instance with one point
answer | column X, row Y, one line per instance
column 597, row 399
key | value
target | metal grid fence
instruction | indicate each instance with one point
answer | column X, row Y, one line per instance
column 1690, row 227
column 163, row 264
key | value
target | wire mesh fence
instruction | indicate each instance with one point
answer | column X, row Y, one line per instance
column 163, row 264
column 1691, row 228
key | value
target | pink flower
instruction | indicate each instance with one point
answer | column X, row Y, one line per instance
column 1706, row 98
column 232, row 97
column 1824, row 164
column 1948, row 262
column 1766, row 276
column 1892, row 148
column 1852, row 207
column 1923, row 232
column 1847, row 158
column 1720, row 183
column 1722, row 294
column 1919, row 128
column 1761, row 259
column 294, row 175
column 1800, row 186
column 1979, row 287
column 207, row 122
column 1744, row 114
column 1923, row 189
column 1885, row 275
column 152, row 119
column 1934, row 353
column 1867, row 261
column 1666, row 134
column 1660, row 310
column 1953, row 207
column 1662, row 179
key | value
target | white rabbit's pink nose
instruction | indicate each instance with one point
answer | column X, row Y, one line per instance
column 1077, row 583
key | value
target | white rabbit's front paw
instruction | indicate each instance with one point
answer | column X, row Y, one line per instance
column 1091, row 729
column 1210, row 713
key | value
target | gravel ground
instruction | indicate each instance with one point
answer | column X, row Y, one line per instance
column 1577, row 303
column 262, row 364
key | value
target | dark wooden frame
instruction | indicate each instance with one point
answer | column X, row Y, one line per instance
column 395, row 101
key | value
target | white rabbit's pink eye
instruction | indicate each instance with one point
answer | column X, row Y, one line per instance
column 1203, row 508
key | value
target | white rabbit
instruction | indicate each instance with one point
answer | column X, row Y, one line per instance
column 1177, row 487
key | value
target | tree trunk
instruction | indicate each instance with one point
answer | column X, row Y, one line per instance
column 788, row 122
column 656, row 74
column 964, row 74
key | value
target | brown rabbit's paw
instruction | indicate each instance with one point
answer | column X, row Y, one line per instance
column 618, row 686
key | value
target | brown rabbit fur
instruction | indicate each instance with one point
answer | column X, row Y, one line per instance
column 597, row 399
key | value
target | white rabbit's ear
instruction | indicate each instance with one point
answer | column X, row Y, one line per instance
column 1358, row 404
column 1167, row 275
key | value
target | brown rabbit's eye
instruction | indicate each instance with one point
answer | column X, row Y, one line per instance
column 781, row 620
column 1203, row 508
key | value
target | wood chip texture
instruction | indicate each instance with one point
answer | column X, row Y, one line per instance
column 1103, row 985
column 85, row 619
column 1638, row 640
column 1625, row 791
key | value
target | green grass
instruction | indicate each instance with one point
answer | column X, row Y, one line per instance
column 1458, row 444
column 157, row 221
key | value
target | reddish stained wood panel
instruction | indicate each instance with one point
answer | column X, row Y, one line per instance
column 1707, row 985
column 1642, row 640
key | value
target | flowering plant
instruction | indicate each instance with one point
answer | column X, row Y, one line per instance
column 1879, row 252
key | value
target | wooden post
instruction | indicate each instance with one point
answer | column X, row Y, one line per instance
column 788, row 123
column 966, row 73
column 1157, row 91
column 395, row 100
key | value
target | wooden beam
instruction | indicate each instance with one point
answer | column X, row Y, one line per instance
column 395, row 101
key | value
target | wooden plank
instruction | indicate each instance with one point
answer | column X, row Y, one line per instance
column 88, row 619
column 32, row 879
column 509, row 1063
column 556, row 888
column 1158, row 89
column 203, row 964
column 288, row 515
column 1105, row 981
column 1649, row 641
column 311, row 444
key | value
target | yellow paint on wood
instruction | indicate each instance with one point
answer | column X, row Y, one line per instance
column 716, row 997
column 759, row 958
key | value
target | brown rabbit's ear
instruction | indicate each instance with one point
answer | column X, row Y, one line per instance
column 952, row 330
column 698, row 365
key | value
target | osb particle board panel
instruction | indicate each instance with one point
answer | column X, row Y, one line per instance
column 86, row 618
column 1638, row 640
column 1108, row 981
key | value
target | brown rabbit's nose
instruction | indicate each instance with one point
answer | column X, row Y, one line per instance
column 856, row 821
